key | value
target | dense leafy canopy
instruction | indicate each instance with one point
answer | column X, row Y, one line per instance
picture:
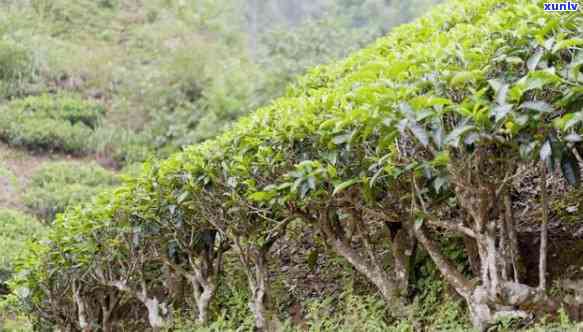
column 15, row 229
column 476, row 87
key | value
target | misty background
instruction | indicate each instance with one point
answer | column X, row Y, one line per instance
column 176, row 72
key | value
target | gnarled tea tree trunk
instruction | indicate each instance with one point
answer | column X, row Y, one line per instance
column 157, row 310
column 109, row 300
column 404, row 249
column 202, row 270
column 139, row 289
column 370, row 266
column 258, row 279
column 83, row 319
column 204, row 287
column 392, row 283
column 481, row 186
column 253, row 251
column 484, row 309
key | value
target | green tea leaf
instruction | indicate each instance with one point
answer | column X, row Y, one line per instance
column 342, row 186
column 567, row 43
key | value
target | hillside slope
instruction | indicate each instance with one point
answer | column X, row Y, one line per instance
column 440, row 163
column 90, row 88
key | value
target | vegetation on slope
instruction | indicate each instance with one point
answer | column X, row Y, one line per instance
column 60, row 184
column 50, row 123
column 411, row 141
column 171, row 73
column 116, row 81
column 15, row 229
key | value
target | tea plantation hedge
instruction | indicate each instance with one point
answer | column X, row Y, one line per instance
column 420, row 132
column 50, row 123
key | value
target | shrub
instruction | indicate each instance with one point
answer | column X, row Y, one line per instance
column 50, row 123
column 49, row 135
column 15, row 229
column 396, row 134
column 63, row 107
column 122, row 146
column 59, row 184
column 15, row 67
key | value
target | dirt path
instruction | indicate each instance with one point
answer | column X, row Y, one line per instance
column 16, row 168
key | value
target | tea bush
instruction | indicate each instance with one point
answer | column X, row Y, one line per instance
column 16, row 69
column 122, row 146
column 15, row 229
column 50, row 123
column 412, row 140
column 59, row 184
